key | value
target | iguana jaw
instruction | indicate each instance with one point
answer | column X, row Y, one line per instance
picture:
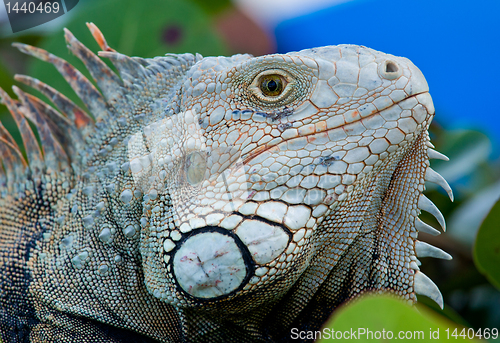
column 367, row 242
column 355, row 116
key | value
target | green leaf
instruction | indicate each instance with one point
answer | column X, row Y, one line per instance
column 6, row 82
column 375, row 315
column 487, row 246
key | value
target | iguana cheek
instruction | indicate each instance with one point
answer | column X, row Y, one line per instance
column 264, row 241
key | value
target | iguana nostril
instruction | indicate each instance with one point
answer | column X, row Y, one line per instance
column 391, row 67
column 390, row 70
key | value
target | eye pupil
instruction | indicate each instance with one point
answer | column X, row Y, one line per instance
column 271, row 85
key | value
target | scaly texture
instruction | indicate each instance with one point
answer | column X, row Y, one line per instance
column 212, row 199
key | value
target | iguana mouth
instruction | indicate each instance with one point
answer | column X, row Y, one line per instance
column 323, row 126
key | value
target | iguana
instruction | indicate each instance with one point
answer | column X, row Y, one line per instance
column 212, row 199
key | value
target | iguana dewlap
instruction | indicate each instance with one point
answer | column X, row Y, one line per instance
column 212, row 199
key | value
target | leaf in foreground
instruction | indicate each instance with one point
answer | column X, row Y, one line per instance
column 377, row 318
column 487, row 246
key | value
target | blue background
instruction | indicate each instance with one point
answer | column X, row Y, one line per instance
column 456, row 44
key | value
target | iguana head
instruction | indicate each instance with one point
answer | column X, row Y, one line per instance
column 267, row 167
column 283, row 184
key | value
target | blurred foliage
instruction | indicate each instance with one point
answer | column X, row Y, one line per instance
column 386, row 314
column 213, row 6
column 6, row 81
column 487, row 246
column 153, row 28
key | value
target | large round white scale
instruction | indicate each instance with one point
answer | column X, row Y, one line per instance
column 209, row 265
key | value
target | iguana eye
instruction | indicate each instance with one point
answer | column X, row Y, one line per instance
column 271, row 85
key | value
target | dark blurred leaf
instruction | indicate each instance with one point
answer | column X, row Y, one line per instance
column 447, row 313
column 487, row 246
column 377, row 313
column 6, row 80
column 466, row 150
column 213, row 6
